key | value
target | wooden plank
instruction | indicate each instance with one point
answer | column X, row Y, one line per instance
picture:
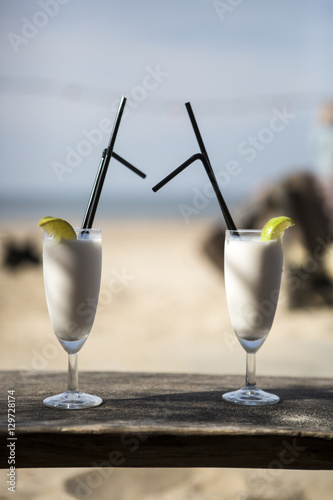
column 169, row 420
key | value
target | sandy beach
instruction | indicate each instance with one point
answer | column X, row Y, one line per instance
column 162, row 308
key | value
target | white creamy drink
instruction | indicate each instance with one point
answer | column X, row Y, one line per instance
column 252, row 278
column 72, row 271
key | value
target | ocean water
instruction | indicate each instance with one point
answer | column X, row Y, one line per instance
column 186, row 209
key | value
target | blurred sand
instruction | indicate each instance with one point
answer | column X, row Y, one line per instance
column 162, row 308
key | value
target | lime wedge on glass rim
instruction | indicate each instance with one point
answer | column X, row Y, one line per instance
column 275, row 228
column 58, row 228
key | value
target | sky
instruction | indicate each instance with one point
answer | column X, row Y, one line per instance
column 255, row 73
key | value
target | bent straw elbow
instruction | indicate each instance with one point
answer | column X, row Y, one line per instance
column 199, row 156
column 177, row 171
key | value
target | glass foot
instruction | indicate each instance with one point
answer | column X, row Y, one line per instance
column 73, row 400
column 251, row 396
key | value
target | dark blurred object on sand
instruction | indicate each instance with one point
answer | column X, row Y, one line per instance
column 18, row 253
column 308, row 267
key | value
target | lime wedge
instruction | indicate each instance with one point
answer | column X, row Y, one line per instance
column 58, row 228
column 274, row 228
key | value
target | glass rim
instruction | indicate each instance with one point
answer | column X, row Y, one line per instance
column 235, row 231
column 246, row 234
column 80, row 229
column 93, row 230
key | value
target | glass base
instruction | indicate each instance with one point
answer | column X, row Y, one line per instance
column 73, row 400
column 251, row 396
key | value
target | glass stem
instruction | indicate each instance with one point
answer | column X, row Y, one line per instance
column 250, row 369
column 73, row 377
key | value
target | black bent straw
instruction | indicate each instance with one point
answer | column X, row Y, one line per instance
column 212, row 178
column 128, row 165
column 206, row 163
column 225, row 211
column 196, row 130
column 102, row 169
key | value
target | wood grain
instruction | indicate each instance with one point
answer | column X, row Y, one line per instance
column 169, row 420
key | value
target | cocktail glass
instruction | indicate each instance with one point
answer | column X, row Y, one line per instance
column 252, row 270
column 72, row 274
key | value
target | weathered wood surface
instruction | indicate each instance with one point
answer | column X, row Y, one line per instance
column 169, row 420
